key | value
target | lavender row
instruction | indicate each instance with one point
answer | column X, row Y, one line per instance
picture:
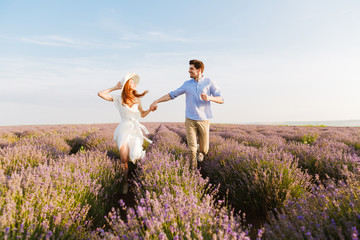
column 330, row 211
column 304, row 135
column 173, row 202
column 326, row 152
column 251, row 158
column 257, row 180
column 56, row 198
column 48, row 193
column 63, row 134
column 326, row 158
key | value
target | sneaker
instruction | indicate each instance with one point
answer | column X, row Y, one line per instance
column 200, row 157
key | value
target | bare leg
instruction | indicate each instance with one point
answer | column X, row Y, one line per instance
column 124, row 156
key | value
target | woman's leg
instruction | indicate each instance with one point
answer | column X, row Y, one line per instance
column 124, row 156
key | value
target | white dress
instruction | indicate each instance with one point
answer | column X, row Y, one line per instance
column 129, row 129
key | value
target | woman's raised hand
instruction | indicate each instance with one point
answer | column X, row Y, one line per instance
column 118, row 85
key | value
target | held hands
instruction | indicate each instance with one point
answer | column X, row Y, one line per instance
column 153, row 106
column 205, row 97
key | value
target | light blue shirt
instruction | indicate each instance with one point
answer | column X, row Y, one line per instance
column 196, row 108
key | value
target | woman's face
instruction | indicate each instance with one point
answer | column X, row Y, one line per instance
column 132, row 84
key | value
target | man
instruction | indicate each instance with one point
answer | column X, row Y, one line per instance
column 200, row 91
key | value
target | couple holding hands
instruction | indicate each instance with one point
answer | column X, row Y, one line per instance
column 199, row 91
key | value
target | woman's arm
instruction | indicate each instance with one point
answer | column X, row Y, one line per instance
column 104, row 94
column 141, row 110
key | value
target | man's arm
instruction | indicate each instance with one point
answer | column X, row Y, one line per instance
column 217, row 99
column 215, row 94
column 164, row 98
column 171, row 95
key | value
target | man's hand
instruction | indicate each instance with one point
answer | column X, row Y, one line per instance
column 153, row 106
column 205, row 97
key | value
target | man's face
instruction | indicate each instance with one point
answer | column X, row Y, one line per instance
column 194, row 72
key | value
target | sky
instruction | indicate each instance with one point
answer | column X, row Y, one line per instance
column 273, row 60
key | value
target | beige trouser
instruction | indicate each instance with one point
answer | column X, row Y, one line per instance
column 196, row 129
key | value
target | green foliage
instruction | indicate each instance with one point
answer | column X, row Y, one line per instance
column 321, row 125
column 10, row 137
column 145, row 145
column 82, row 149
column 309, row 139
column 356, row 146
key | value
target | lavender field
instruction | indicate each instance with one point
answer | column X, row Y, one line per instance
column 256, row 182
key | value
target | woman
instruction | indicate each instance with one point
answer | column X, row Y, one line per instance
column 128, row 135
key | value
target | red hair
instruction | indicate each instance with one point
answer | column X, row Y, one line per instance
column 130, row 95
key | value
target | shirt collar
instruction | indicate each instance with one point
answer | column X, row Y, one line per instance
column 202, row 78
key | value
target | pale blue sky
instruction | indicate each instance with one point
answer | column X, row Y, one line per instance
column 273, row 60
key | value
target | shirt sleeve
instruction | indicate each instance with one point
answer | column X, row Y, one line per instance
column 177, row 92
column 215, row 90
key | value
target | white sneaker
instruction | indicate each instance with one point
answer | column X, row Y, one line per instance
column 200, row 157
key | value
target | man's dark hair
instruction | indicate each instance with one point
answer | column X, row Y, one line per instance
column 197, row 64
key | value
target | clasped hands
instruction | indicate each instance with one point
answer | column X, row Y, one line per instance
column 153, row 106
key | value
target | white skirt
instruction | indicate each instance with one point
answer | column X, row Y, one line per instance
column 129, row 132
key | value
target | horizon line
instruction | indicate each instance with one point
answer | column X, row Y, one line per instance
column 303, row 122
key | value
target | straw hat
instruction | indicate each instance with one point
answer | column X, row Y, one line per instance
column 129, row 76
